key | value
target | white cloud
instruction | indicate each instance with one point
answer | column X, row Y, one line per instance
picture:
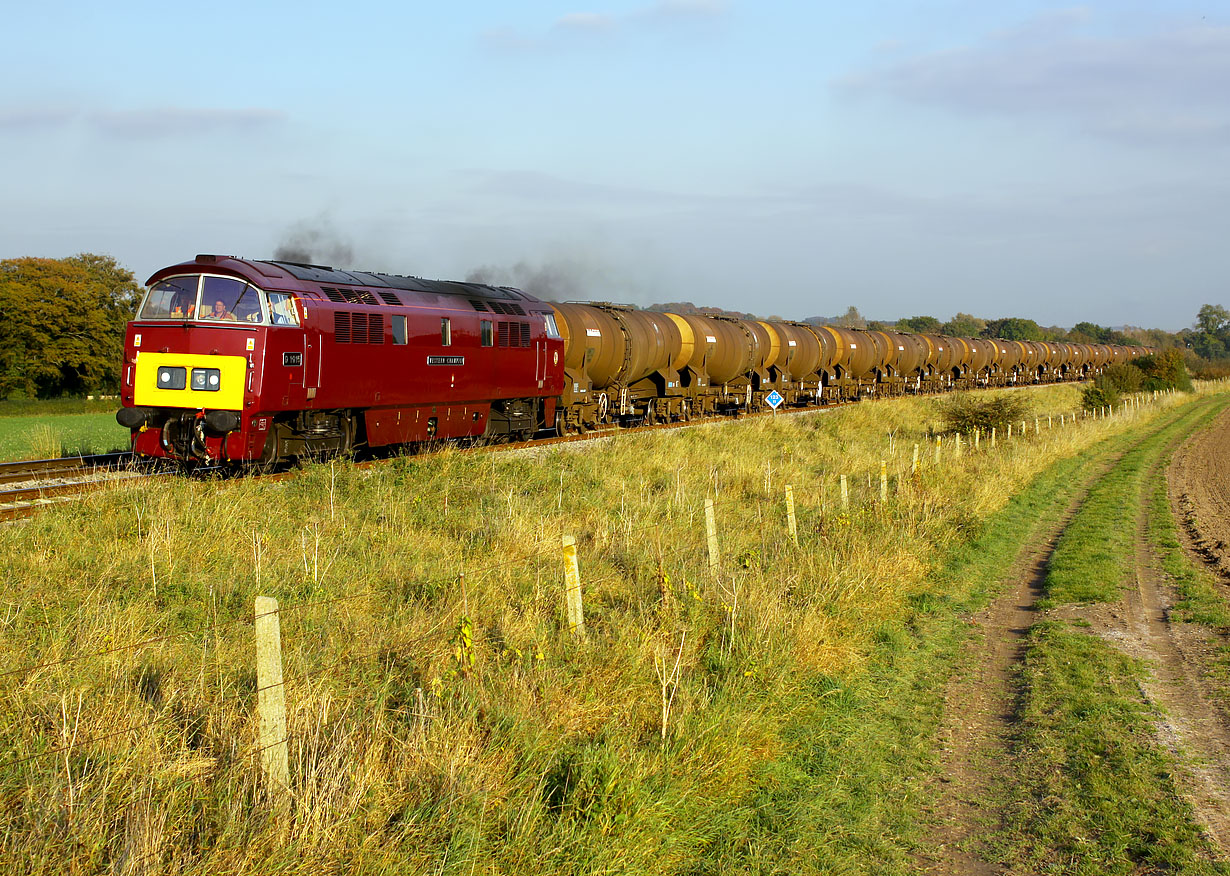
column 1167, row 86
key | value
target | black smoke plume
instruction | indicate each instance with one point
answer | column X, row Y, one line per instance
column 315, row 242
column 553, row 281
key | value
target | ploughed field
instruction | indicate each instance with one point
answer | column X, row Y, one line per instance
column 776, row 708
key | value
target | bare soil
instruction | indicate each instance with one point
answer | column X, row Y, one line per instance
column 1193, row 722
column 1199, row 487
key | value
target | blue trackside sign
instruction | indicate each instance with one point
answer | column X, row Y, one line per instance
column 774, row 399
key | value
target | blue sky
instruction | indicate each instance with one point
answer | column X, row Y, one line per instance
column 1011, row 158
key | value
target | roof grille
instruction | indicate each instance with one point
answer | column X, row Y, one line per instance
column 389, row 298
column 478, row 305
column 350, row 296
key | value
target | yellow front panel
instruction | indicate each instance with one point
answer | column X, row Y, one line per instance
column 229, row 397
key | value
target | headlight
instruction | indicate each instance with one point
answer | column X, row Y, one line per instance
column 172, row 377
column 206, row 379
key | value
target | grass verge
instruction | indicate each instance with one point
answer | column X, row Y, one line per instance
column 1097, row 794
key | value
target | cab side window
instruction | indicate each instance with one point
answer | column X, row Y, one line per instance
column 398, row 325
column 488, row 332
column 446, row 331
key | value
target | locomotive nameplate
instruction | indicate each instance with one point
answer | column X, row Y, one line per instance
column 446, row 360
column 292, row 360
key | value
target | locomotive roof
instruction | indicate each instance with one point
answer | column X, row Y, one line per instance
column 333, row 276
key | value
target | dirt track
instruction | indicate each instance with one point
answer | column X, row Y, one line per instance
column 1195, row 721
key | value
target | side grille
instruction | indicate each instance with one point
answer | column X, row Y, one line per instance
column 358, row 328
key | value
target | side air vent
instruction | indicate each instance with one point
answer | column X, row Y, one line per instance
column 512, row 334
column 507, row 307
column 358, row 328
column 478, row 305
column 389, row 298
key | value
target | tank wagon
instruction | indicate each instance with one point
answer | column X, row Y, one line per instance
column 236, row 360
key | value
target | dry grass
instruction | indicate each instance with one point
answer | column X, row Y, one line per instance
column 534, row 752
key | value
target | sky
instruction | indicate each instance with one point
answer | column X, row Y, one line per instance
column 1059, row 163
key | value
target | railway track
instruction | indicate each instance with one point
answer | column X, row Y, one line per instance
column 33, row 485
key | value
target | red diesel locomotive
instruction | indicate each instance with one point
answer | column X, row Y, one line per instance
column 237, row 360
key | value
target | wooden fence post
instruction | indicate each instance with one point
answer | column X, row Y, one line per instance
column 271, row 698
column 572, row 588
column 937, row 449
column 992, row 437
column 956, row 448
column 790, row 519
column 883, row 481
column 914, row 463
column 845, row 494
column 715, row 558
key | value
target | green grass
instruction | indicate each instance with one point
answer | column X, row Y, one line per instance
column 1094, row 793
column 1096, row 553
column 29, row 407
column 45, row 436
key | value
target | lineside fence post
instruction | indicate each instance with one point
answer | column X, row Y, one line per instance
column 572, row 588
column 883, row 481
column 845, row 494
column 790, row 519
column 271, row 698
column 715, row 557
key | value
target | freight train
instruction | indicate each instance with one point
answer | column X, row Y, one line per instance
column 233, row 360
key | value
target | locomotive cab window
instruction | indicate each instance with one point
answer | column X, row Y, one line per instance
column 171, row 299
column 282, row 309
column 552, row 328
column 446, row 331
column 488, row 332
column 226, row 299
column 398, row 325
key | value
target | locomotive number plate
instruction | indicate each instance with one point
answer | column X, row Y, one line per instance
column 292, row 360
column 446, row 360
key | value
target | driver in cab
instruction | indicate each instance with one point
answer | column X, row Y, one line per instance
column 220, row 311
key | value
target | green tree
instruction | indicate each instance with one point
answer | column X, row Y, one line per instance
column 62, row 324
column 928, row 325
column 851, row 319
column 964, row 325
column 1213, row 319
column 1013, row 328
